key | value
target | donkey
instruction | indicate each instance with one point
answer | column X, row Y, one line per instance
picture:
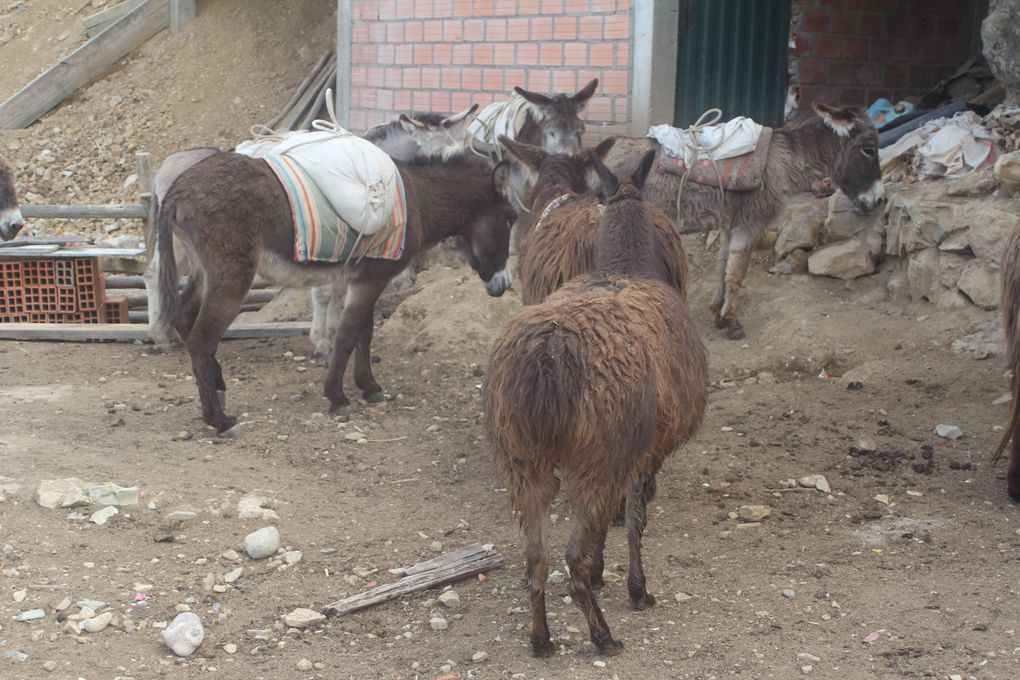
column 233, row 217
column 840, row 143
column 561, row 243
column 432, row 135
column 550, row 122
column 11, row 221
column 595, row 386
column 1010, row 304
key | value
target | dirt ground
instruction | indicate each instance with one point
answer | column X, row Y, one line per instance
column 921, row 586
column 829, row 585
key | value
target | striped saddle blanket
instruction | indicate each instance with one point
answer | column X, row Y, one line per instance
column 740, row 173
column 320, row 235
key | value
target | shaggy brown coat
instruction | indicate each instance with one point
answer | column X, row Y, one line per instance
column 1010, row 305
column 595, row 386
column 840, row 143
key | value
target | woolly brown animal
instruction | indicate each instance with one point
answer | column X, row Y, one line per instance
column 595, row 386
column 560, row 244
column 837, row 143
column 1010, row 304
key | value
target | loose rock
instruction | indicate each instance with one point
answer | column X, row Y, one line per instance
column 450, row 599
column 184, row 634
column 262, row 543
column 948, row 432
column 61, row 493
column 97, row 623
column 103, row 515
column 31, row 615
column 439, row 623
column 302, row 618
column 753, row 513
column 304, row 665
column 111, row 494
column 815, row 482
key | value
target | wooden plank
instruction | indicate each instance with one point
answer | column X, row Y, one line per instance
column 30, row 250
column 450, row 571
column 182, row 13
column 116, row 211
column 127, row 332
column 84, row 65
column 300, row 91
column 316, row 107
column 469, row 552
column 42, row 241
column 65, row 253
column 101, row 20
column 146, row 193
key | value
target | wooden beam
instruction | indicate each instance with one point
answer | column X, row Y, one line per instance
column 116, row 211
column 182, row 13
column 101, row 20
column 129, row 332
column 84, row 65
column 441, row 570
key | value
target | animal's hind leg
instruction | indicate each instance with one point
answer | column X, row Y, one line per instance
column 535, row 522
column 719, row 294
column 637, row 520
column 363, row 378
column 588, row 533
column 327, row 305
column 736, row 270
column 359, row 305
column 1013, row 475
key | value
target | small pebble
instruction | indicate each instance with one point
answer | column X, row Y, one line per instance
column 50, row 666
column 479, row 657
column 31, row 615
column 788, row 593
column 599, row 663
column 230, row 648
column 439, row 623
column 304, row 665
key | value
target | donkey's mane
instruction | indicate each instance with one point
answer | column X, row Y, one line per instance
column 461, row 159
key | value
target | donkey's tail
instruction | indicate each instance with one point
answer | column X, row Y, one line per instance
column 1010, row 304
column 162, row 321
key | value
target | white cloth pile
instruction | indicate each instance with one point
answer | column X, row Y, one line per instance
column 499, row 118
column 944, row 147
column 733, row 138
column 358, row 178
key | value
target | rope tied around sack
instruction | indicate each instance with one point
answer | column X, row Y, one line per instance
column 707, row 119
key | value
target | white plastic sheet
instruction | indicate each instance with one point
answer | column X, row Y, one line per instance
column 946, row 147
column 735, row 137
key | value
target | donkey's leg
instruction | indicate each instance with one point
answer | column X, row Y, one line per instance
column 736, row 270
column 363, row 378
column 589, row 531
column 327, row 305
column 535, row 522
column 637, row 520
column 1013, row 475
column 359, row 304
column 718, row 295
column 599, row 566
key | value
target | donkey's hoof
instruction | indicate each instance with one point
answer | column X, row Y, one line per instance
column 230, row 433
column 610, row 648
column 321, row 353
column 642, row 602
column 342, row 410
column 736, row 333
column 375, row 397
column 542, row 648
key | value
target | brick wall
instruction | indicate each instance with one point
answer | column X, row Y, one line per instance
column 852, row 52
column 444, row 55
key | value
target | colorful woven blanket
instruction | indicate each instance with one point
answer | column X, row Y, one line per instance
column 320, row 235
column 740, row 173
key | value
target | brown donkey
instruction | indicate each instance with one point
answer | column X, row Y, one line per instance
column 840, row 143
column 233, row 217
column 561, row 242
column 596, row 386
column 1010, row 304
column 10, row 214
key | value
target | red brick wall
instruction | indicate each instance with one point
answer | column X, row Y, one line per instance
column 444, row 55
column 852, row 52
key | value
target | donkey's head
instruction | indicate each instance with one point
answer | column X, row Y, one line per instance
column 10, row 214
column 437, row 136
column 855, row 166
column 558, row 118
column 487, row 241
column 556, row 174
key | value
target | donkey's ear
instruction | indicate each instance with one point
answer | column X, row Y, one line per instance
column 531, row 156
column 582, row 97
column 450, row 121
column 501, row 177
column 643, row 168
column 533, row 97
column 410, row 124
column 840, row 121
column 602, row 148
column 610, row 184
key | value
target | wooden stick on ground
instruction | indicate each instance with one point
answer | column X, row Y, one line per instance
column 452, row 566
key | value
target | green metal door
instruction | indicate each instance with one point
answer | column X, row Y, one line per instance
column 731, row 55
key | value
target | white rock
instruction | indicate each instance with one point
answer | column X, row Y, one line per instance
column 180, row 515
column 15, row 655
column 479, row 657
column 815, row 482
column 436, row 546
column 438, row 623
column 292, row 556
column 303, row 618
column 50, row 666
column 252, row 506
column 948, row 431
column 97, row 623
column 61, row 493
column 262, row 543
column 20, row 595
column 31, row 615
column 233, row 575
column 103, row 515
column 184, row 634
column 230, row 648
column 754, row 513
column 63, row 604
column 111, row 494
column 304, row 665
column 450, row 599
column 682, row 596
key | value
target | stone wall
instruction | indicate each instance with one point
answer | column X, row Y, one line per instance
column 941, row 239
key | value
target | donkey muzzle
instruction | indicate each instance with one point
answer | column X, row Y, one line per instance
column 11, row 223
column 866, row 201
column 499, row 282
